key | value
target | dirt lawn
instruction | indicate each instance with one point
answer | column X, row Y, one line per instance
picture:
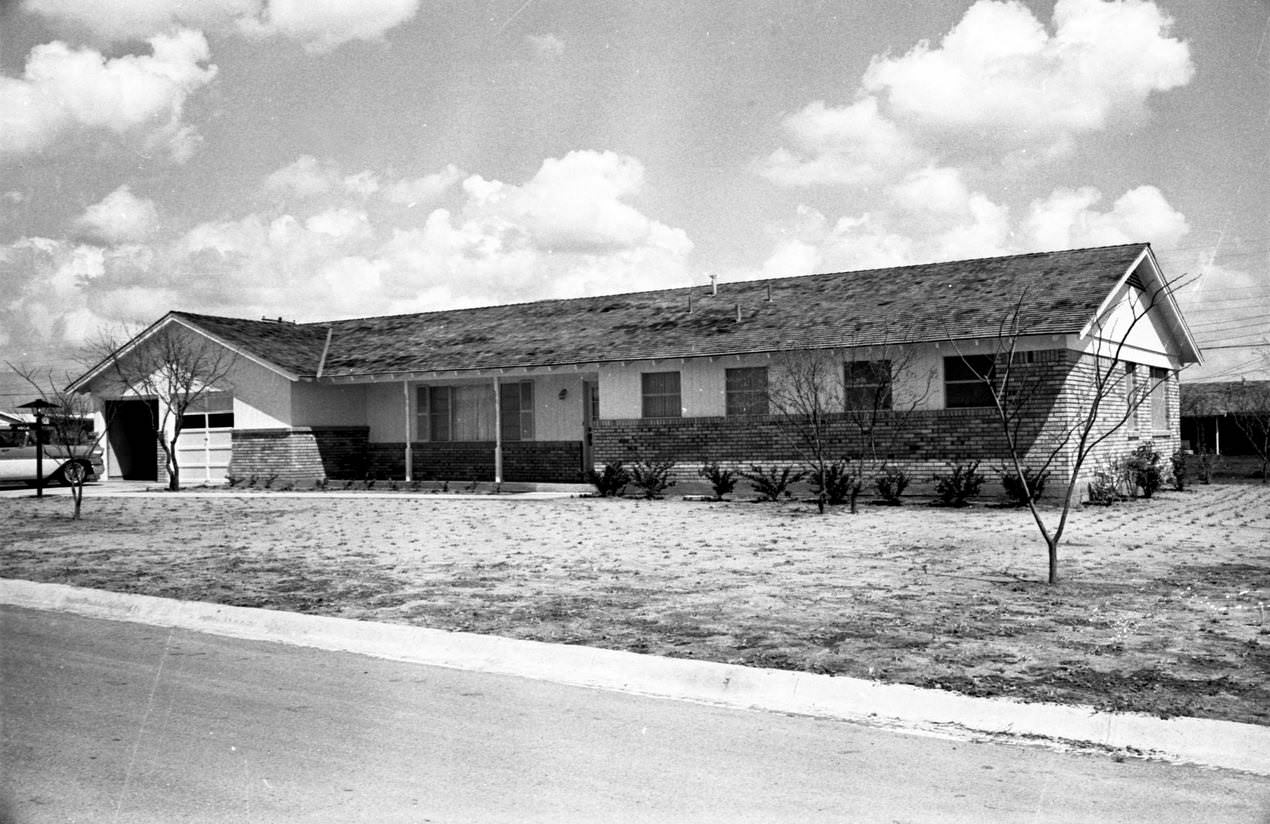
column 1162, row 608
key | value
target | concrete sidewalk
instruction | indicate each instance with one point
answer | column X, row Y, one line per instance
column 134, row 489
column 1223, row 744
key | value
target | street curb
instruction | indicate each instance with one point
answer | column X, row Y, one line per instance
column 1224, row 744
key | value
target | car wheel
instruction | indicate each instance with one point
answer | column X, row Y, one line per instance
column 72, row 474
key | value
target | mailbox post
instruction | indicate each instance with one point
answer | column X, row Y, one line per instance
column 39, row 407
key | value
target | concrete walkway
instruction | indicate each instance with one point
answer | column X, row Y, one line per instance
column 514, row 491
column 1224, row 744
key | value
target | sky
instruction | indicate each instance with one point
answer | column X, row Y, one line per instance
column 321, row 159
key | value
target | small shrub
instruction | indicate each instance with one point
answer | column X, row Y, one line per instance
column 610, row 481
column 1017, row 488
column 771, row 484
column 1104, row 489
column 652, row 477
column 891, row 483
column 722, row 481
column 841, row 485
column 961, row 484
column 1207, row 463
column 1178, row 462
column 1145, row 465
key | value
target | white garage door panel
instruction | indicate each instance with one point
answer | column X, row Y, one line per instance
column 204, row 454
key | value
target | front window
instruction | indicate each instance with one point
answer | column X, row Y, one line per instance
column 968, row 380
column 517, row 413
column 867, row 385
column 746, row 391
column 1131, row 399
column 660, row 395
column 1159, row 398
column 456, row 413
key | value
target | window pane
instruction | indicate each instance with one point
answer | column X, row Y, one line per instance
column 526, row 410
column 967, row 380
column 472, row 412
column 969, row 367
column 198, row 421
column 746, row 391
column 867, row 384
column 439, row 413
column 516, row 415
column 661, row 395
column 220, row 420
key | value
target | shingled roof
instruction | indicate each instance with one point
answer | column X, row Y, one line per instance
column 1224, row 397
column 1061, row 292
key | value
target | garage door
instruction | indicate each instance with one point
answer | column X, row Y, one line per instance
column 206, row 442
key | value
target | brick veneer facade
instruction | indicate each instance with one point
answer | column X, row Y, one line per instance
column 301, row 454
column 548, row 461
column 1051, row 388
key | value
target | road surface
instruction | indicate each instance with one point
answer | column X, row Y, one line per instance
column 108, row 721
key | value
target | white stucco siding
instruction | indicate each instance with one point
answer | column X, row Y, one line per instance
column 385, row 412
column 262, row 397
column 556, row 418
column 325, row 405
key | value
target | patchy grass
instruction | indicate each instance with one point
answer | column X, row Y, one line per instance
column 1162, row 608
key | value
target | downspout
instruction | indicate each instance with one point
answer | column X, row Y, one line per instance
column 405, row 398
column 498, row 434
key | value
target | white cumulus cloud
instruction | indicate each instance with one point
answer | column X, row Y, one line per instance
column 64, row 91
column 134, row 19
column 933, row 215
column 320, row 25
column 323, row 25
column 120, row 217
column 1000, row 85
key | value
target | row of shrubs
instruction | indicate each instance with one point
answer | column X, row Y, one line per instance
column 840, row 484
column 1140, row 473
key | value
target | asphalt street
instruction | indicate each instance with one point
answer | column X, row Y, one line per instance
column 110, row 721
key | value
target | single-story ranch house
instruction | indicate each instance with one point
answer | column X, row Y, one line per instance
column 543, row 391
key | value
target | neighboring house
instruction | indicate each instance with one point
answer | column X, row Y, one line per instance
column 1224, row 417
column 541, row 391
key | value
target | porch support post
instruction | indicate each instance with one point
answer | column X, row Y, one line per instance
column 405, row 407
column 498, row 434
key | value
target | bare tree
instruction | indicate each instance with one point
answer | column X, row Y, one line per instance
column 824, row 397
column 70, row 429
column 176, row 367
column 808, row 397
column 1248, row 405
column 1112, row 397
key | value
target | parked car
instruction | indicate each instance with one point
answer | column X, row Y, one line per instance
column 61, row 460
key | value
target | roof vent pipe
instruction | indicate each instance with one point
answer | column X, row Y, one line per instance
column 769, row 293
column 738, row 313
column 714, row 284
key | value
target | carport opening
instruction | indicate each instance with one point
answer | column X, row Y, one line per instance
column 131, row 436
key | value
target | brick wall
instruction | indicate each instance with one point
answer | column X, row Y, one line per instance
column 545, row 461
column 299, row 455
column 1051, row 389
column 919, row 440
